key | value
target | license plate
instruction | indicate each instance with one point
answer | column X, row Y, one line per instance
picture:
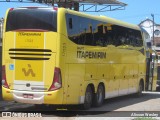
column 30, row 96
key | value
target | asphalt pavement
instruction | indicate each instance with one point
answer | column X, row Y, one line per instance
column 1, row 93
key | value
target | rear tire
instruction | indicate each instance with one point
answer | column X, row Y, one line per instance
column 99, row 96
column 88, row 98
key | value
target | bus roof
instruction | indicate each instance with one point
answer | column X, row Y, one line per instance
column 100, row 18
column 104, row 19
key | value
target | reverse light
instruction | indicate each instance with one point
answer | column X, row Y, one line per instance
column 4, row 81
column 57, row 80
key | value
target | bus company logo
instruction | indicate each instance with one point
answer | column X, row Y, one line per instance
column 28, row 34
column 91, row 55
column 28, row 71
column 82, row 53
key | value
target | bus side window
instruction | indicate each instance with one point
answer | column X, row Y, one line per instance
column 70, row 23
column 88, row 35
column 99, row 39
column 138, row 39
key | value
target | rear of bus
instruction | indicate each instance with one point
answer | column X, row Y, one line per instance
column 29, row 70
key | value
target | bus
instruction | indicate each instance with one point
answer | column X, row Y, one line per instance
column 60, row 56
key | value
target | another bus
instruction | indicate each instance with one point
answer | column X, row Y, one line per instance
column 60, row 56
column 158, row 71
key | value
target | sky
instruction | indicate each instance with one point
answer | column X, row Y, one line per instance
column 135, row 11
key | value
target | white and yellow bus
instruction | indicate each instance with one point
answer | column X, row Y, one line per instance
column 66, row 57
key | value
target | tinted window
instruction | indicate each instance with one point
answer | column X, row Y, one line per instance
column 85, row 31
column 44, row 19
column 125, row 36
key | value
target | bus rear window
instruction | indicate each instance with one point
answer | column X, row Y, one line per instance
column 44, row 19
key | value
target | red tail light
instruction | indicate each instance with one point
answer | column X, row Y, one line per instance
column 11, row 9
column 55, row 8
column 4, row 81
column 57, row 80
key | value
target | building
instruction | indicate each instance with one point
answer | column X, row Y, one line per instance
column 148, row 26
column 155, row 43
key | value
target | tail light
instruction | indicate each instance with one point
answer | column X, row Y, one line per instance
column 11, row 9
column 4, row 81
column 57, row 80
column 55, row 8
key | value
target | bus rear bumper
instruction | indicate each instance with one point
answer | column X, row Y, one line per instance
column 28, row 97
column 51, row 97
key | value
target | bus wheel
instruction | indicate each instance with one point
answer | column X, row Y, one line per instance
column 88, row 98
column 140, row 89
column 99, row 96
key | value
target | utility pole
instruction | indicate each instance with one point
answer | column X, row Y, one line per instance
column 153, row 28
column 152, row 58
column 1, row 29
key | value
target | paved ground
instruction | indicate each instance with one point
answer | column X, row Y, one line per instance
column 127, row 108
column 0, row 94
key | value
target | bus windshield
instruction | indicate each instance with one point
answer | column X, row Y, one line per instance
column 32, row 19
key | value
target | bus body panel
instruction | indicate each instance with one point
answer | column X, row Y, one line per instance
column 75, row 83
